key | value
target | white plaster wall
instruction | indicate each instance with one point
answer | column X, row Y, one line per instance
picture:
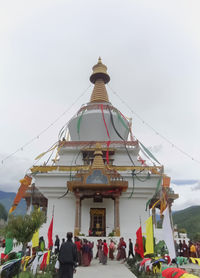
column 132, row 211
column 64, row 217
column 53, row 184
column 69, row 156
column 121, row 157
column 86, row 204
column 92, row 127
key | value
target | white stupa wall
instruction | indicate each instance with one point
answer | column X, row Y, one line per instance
column 92, row 127
column 69, row 157
column 64, row 217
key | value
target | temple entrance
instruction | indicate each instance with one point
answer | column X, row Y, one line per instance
column 98, row 222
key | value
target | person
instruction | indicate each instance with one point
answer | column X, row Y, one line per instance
column 41, row 244
column 105, row 252
column 180, row 248
column 185, row 249
column 57, row 244
column 68, row 258
column 111, row 250
column 130, row 249
column 100, row 251
column 78, row 246
column 91, row 245
column 121, row 249
column 63, row 241
column 193, row 250
column 86, row 253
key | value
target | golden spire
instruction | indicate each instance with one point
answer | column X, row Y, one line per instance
column 98, row 159
column 99, row 77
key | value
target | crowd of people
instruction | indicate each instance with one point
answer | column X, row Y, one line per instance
column 104, row 252
column 191, row 249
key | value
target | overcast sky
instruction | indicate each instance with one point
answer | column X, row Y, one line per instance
column 151, row 49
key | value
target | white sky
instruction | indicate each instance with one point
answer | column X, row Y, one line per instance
column 151, row 49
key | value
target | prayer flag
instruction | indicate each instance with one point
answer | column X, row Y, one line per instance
column 35, row 239
column 25, row 182
column 9, row 245
column 168, row 234
column 44, row 261
column 149, row 236
column 50, row 233
column 139, row 243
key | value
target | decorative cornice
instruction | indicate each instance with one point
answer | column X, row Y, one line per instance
column 45, row 169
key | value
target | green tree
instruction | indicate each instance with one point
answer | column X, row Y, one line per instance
column 3, row 213
column 196, row 236
column 21, row 228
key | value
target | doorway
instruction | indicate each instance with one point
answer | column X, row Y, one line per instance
column 98, row 222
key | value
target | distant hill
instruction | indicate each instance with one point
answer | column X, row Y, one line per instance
column 188, row 219
column 6, row 199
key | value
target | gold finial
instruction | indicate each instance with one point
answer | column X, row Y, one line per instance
column 99, row 77
column 99, row 72
column 98, row 157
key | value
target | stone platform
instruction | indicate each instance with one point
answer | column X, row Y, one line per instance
column 113, row 269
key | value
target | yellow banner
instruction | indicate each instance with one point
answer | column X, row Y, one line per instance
column 149, row 236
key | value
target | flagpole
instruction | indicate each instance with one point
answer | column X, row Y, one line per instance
column 53, row 211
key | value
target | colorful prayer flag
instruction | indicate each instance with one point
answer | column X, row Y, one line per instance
column 149, row 236
column 25, row 182
column 9, row 245
column 35, row 239
column 139, row 243
column 50, row 233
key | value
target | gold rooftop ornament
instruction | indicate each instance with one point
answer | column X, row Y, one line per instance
column 99, row 77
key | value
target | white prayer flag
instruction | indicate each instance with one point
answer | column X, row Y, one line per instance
column 168, row 234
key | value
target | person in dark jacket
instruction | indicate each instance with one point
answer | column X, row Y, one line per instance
column 130, row 250
column 67, row 258
column 57, row 245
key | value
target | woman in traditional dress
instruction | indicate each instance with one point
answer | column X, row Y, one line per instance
column 121, row 249
column 91, row 245
column 105, row 252
column 86, row 253
column 111, row 250
column 100, row 251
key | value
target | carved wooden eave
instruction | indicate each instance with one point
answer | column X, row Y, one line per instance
column 105, row 180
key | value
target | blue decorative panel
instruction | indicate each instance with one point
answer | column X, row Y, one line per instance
column 97, row 177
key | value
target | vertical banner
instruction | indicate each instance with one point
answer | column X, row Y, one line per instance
column 168, row 234
column 149, row 236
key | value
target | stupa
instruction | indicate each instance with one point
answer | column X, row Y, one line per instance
column 98, row 184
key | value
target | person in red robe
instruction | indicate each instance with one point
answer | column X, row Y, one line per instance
column 105, row 252
column 78, row 246
column 121, row 255
column 111, row 250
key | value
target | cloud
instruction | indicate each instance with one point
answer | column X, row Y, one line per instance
column 12, row 171
column 187, row 195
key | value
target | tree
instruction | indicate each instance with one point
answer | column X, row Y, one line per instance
column 196, row 236
column 3, row 213
column 21, row 228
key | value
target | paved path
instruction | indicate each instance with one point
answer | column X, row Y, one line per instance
column 113, row 269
